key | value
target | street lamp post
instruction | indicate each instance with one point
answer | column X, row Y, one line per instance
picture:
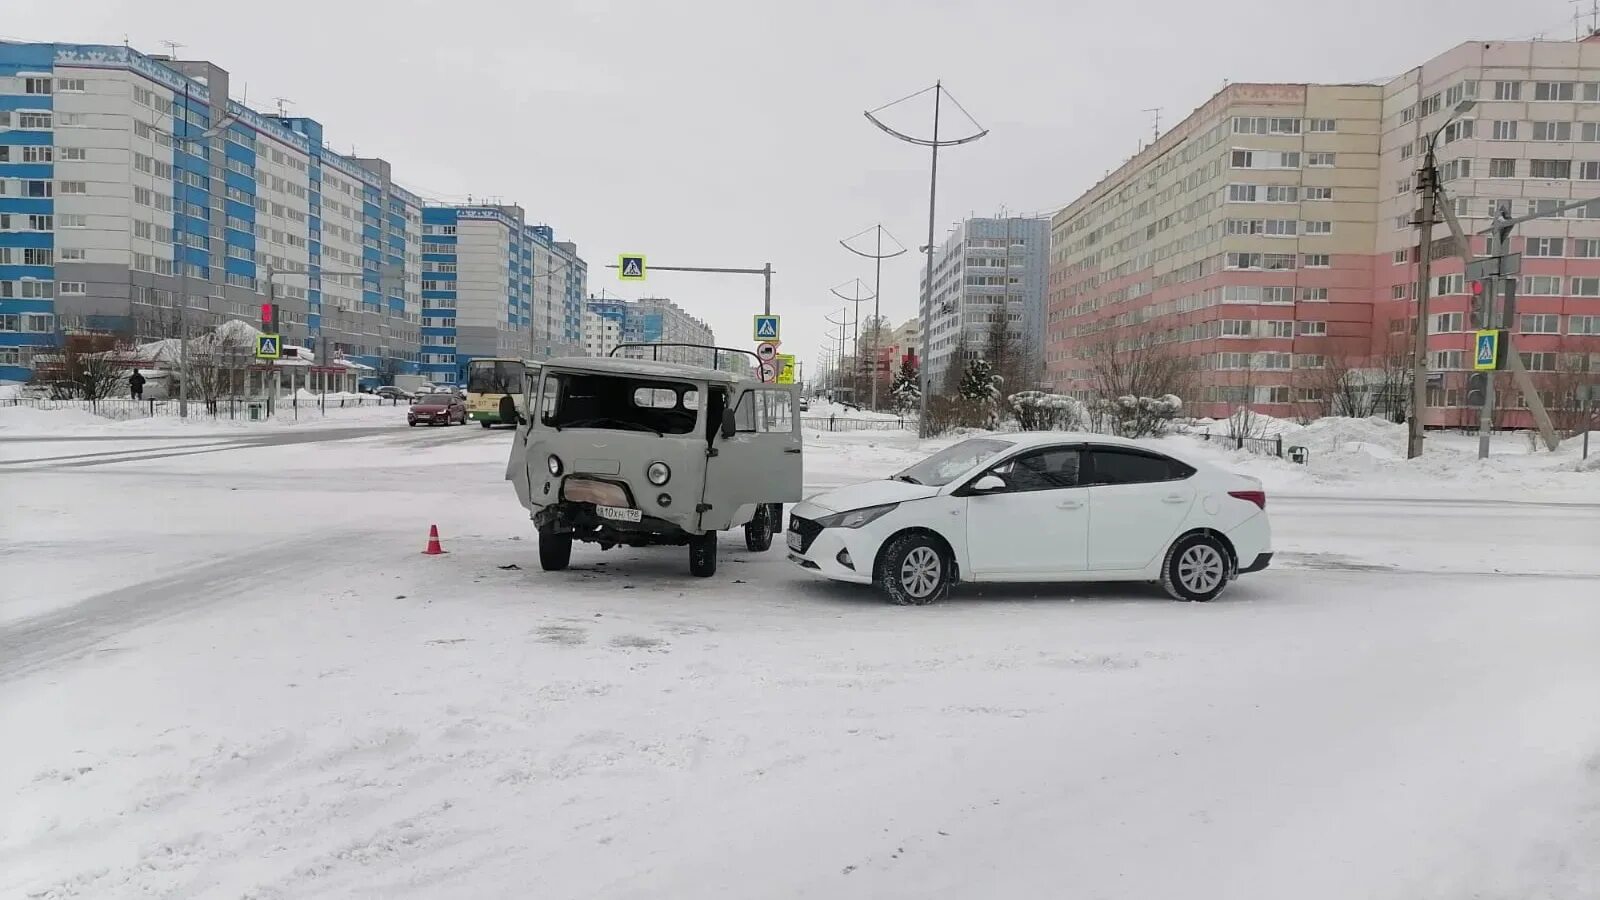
column 1428, row 176
column 933, row 186
column 877, row 258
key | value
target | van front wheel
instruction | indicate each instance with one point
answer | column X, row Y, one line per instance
column 703, row 555
column 758, row 531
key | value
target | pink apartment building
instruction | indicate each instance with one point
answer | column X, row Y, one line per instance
column 1269, row 234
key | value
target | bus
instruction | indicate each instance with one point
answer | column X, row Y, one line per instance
column 488, row 380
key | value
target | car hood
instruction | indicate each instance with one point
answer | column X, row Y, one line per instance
column 870, row 493
column 429, row 408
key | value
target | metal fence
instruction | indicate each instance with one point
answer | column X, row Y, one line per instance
column 1267, row 446
column 843, row 423
column 123, row 408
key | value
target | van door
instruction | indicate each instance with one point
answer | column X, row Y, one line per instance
column 517, row 465
column 760, row 463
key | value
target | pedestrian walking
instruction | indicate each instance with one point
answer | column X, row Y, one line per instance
column 136, row 385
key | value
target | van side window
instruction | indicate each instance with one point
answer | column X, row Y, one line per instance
column 744, row 415
column 550, row 400
column 777, row 411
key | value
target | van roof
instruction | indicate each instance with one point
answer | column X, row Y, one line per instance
column 616, row 365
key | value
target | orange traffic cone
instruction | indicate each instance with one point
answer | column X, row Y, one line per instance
column 433, row 542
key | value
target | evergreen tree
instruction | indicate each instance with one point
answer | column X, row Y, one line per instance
column 906, row 392
column 978, row 382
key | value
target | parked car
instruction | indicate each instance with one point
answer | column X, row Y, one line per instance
column 805, row 405
column 437, row 409
column 1019, row 508
column 390, row 392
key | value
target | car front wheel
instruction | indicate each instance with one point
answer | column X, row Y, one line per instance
column 914, row 570
column 1196, row 568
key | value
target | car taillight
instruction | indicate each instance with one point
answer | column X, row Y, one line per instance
column 1259, row 498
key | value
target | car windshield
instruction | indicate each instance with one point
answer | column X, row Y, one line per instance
column 436, row 400
column 618, row 402
column 948, row 464
column 499, row 376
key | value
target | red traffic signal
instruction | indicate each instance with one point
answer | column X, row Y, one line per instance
column 1477, row 288
column 266, row 313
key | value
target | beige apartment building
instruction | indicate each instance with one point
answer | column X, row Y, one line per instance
column 1271, row 235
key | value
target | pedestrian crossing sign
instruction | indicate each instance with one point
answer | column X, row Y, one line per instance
column 766, row 328
column 630, row 267
column 1486, row 356
column 268, row 346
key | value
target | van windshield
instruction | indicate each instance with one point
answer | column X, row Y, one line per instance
column 619, row 403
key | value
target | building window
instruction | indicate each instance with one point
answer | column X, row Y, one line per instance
column 70, row 287
column 1447, row 359
column 38, row 256
column 1319, row 193
column 1322, row 125
column 1502, row 168
column 1408, row 114
column 1552, row 131
column 1429, row 105
column 1550, row 168
column 1553, row 90
column 1314, row 261
column 1466, row 90
column 1541, row 285
column 1447, row 323
column 1503, row 131
column 1406, row 150
column 1319, row 293
column 1449, row 284
column 1538, row 362
column 1584, row 287
column 1265, row 159
column 1318, row 227
column 1313, row 329
column 1583, row 325
column 1320, row 159
column 1539, row 324
column 1400, row 257
column 1458, row 130
column 1508, row 90
column 1241, row 193
column 74, row 187
column 1589, row 171
column 1545, row 246
column 1456, row 168
column 36, row 85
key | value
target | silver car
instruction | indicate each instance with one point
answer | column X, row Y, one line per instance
column 636, row 453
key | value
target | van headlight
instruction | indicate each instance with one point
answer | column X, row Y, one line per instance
column 554, row 464
column 658, row 473
column 856, row 518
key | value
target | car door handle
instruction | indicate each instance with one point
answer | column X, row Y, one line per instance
column 1070, row 504
column 1174, row 498
column 791, row 449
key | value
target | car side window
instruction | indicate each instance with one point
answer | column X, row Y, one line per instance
column 1050, row 469
column 744, row 415
column 777, row 414
column 1115, row 465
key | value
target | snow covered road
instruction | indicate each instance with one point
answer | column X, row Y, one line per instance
column 233, row 675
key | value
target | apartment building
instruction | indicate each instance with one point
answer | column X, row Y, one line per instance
column 990, row 272
column 1271, row 235
column 137, row 199
column 609, row 322
column 1241, row 238
column 602, row 326
column 1530, row 142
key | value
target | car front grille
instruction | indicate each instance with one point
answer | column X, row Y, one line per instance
column 807, row 529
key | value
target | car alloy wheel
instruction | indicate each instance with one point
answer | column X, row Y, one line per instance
column 921, row 572
column 1200, row 568
column 1197, row 568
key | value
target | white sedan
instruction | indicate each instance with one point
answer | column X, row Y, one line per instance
column 1038, row 507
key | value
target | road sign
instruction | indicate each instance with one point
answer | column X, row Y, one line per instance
column 769, row 371
column 268, row 346
column 1487, row 355
column 767, row 351
column 767, row 328
column 630, row 267
column 1492, row 266
column 786, row 368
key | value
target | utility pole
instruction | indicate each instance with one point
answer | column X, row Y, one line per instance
column 1428, row 175
column 877, row 258
column 933, row 144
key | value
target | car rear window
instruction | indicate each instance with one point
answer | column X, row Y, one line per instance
column 1119, row 466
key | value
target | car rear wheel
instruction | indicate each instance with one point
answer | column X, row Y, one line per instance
column 758, row 531
column 703, row 555
column 914, row 570
column 1196, row 568
column 555, row 551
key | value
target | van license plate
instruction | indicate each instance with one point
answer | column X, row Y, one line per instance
column 619, row 513
column 794, row 541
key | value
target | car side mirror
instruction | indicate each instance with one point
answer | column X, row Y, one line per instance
column 730, row 427
column 988, row 484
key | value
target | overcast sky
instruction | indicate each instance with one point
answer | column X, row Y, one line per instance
column 730, row 132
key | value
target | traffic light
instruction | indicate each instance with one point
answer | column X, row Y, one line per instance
column 1481, row 304
column 1477, row 388
column 269, row 318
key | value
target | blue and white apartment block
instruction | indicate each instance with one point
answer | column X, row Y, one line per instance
column 135, row 196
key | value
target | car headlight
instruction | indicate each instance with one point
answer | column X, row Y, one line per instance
column 554, row 464
column 658, row 473
column 856, row 518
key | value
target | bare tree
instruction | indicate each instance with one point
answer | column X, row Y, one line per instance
column 218, row 367
column 89, row 367
column 1340, row 388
